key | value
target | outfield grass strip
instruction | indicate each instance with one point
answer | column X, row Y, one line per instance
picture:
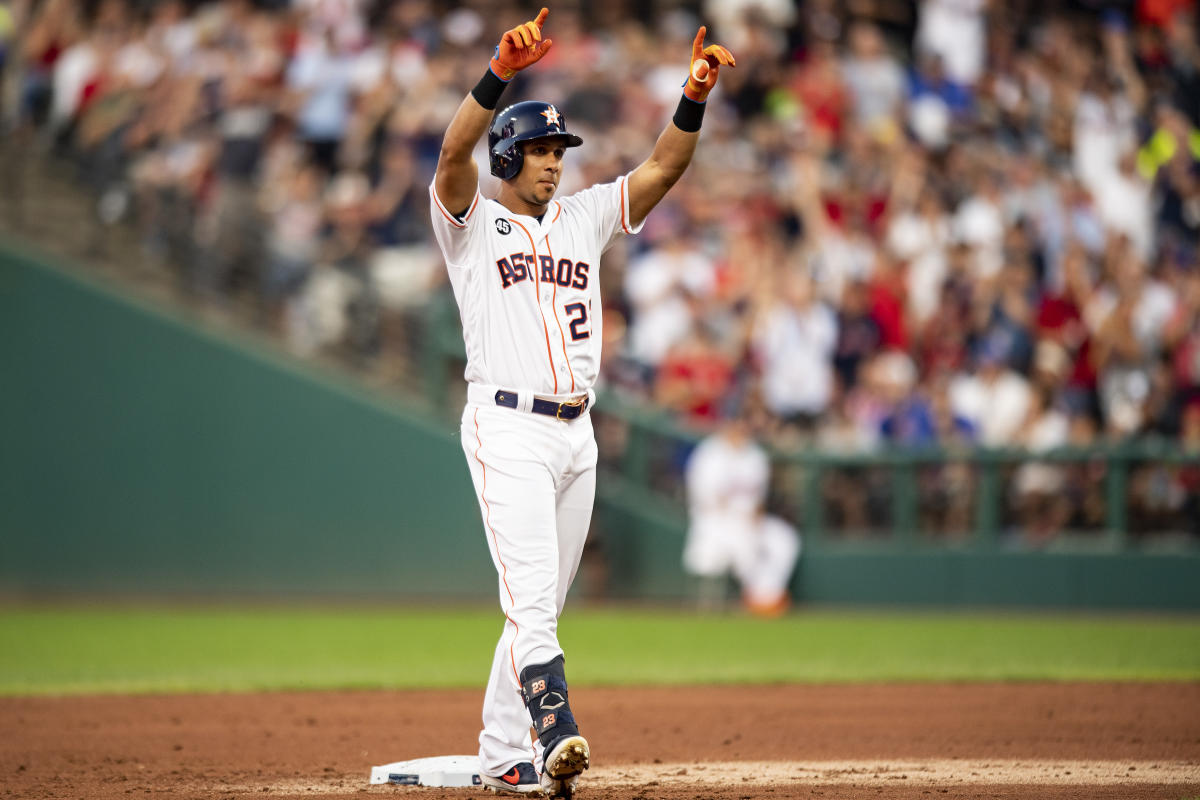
column 129, row 650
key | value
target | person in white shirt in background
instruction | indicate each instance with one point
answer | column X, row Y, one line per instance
column 874, row 76
column 956, row 31
column 658, row 285
column 793, row 342
column 994, row 398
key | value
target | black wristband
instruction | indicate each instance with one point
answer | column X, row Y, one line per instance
column 487, row 92
column 688, row 115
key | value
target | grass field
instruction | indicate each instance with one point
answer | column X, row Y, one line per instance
column 69, row 651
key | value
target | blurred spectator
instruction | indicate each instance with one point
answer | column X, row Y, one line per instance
column 979, row 223
column 1182, row 335
column 320, row 75
column 295, row 219
column 887, row 292
column 660, row 287
column 858, row 334
column 54, row 28
column 994, row 399
column 793, row 342
column 695, row 378
column 908, row 420
column 1187, row 478
column 1084, row 488
column 1040, row 502
column 402, row 266
column 817, row 86
column 873, row 76
column 946, row 489
column 954, row 31
column 340, row 305
column 1104, row 131
column 920, row 236
column 231, row 230
column 1125, row 205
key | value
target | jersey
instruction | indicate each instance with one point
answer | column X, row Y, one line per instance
column 528, row 290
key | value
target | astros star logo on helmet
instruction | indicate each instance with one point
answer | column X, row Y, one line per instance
column 551, row 115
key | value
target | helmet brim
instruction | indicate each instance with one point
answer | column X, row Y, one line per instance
column 571, row 139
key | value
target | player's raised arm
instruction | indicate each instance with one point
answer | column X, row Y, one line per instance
column 673, row 151
column 457, row 176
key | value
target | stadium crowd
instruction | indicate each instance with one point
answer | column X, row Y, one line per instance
column 948, row 222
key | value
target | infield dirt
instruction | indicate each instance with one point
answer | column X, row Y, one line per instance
column 901, row 742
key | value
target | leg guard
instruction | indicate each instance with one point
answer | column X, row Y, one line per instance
column 544, row 687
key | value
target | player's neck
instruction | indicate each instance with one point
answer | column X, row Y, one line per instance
column 518, row 205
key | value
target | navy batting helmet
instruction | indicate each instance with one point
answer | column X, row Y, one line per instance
column 518, row 123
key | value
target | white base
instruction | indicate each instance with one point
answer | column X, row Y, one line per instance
column 436, row 771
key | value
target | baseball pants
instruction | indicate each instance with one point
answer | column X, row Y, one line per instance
column 535, row 479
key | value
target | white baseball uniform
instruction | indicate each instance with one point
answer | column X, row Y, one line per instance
column 528, row 294
column 727, row 488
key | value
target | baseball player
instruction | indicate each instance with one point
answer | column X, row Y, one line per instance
column 523, row 267
column 727, row 479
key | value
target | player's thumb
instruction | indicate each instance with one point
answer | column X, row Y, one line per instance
column 700, row 70
column 543, row 48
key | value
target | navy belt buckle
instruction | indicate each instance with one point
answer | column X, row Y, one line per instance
column 576, row 404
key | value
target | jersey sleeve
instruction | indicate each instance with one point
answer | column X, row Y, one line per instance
column 456, row 237
column 607, row 205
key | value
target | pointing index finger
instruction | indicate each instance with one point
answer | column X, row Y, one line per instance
column 541, row 17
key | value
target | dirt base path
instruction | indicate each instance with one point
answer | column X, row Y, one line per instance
column 1026, row 741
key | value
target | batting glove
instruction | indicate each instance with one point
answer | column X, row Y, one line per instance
column 706, row 63
column 520, row 47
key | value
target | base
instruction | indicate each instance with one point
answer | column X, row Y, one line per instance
column 436, row 771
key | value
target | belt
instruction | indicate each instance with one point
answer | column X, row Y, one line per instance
column 564, row 411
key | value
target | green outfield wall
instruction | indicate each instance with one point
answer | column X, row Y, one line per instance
column 145, row 455
column 642, row 532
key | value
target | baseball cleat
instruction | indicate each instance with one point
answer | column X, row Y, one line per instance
column 564, row 788
column 567, row 757
column 521, row 779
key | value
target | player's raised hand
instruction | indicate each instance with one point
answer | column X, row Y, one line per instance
column 520, row 47
column 706, row 63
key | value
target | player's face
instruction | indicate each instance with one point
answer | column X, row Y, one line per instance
column 538, row 180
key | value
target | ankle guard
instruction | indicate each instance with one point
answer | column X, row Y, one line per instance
column 544, row 687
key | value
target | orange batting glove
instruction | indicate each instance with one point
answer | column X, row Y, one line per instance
column 706, row 63
column 520, row 47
